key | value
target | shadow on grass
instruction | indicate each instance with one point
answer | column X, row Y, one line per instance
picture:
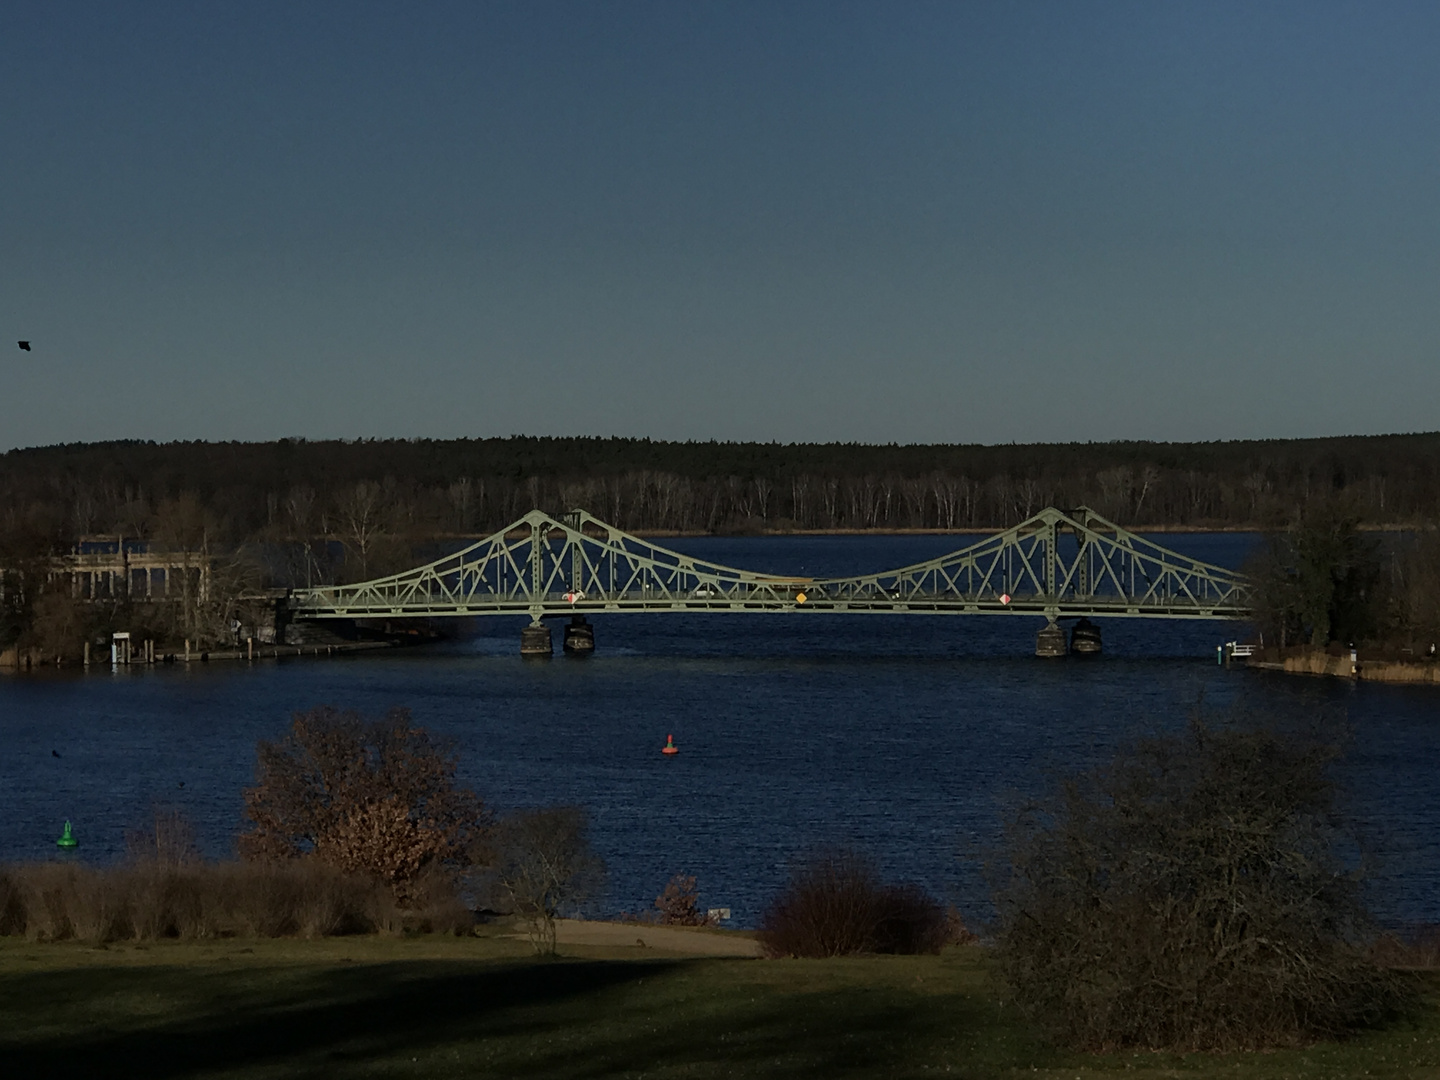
column 573, row 1019
column 338, row 1015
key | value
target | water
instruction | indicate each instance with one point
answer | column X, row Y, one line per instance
column 905, row 736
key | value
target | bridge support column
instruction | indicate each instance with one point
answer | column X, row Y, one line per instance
column 535, row 640
column 579, row 637
column 1085, row 638
column 1050, row 641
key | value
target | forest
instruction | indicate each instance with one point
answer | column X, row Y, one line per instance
column 425, row 487
column 295, row 512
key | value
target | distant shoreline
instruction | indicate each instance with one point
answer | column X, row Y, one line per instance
column 655, row 534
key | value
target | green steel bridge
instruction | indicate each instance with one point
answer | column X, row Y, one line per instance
column 1058, row 565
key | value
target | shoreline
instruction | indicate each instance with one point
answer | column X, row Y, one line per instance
column 1324, row 665
column 661, row 534
column 212, row 656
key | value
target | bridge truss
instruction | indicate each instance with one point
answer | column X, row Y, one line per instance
column 1056, row 564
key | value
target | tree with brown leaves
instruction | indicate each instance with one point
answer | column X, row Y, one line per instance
column 679, row 904
column 377, row 797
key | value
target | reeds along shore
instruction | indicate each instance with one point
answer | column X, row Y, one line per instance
column 1338, row 664
column 144, row 901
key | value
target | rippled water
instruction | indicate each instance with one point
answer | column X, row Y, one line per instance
column 904, row 735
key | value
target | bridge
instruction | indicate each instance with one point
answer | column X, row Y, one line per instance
column 1057, row 565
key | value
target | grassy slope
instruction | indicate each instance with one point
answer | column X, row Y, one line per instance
column 436, row 1007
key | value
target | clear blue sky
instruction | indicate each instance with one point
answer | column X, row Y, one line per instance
column 908, row 222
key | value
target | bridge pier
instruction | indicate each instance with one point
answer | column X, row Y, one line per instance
column 1085, row 638
column 1050, row 641
column 535, row 640
column 579, row 637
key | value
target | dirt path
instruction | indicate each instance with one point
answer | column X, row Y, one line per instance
column 673, row 940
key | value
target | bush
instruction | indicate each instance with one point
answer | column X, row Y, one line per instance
column 835, row 904
column 12, row 904
column 1189, row 895
column 148, row 901
column 679, row 904
column 367, row 797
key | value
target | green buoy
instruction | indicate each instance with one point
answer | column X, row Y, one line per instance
column 67, row 840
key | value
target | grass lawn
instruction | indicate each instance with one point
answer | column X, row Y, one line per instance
column 479, row 1007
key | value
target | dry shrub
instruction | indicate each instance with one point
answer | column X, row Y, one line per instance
column 179, row 902
column 98, row 905
column 679, row 903
column 142, row 902
column 164, row 890
column 835, row 904
column 435, row 905
column 12, row 904
column 1414, row 949
column 265, row 899
column 46, row 889
column 167, row 841
column 956, row 932
column 330, row 903
column 1189, row 895
column 910, row 922
column 302, row 897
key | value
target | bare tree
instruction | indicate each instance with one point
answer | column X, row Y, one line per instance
column 183, row 527
column 465, row 495
column 545, row 866
column 1148, row 477
column 830, row 495
column 1115, row 485
column 917, row 496
column 946, row 493
column 361, row 511
column 167, row 842
column 763, row 488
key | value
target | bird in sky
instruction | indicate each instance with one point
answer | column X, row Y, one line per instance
column 25, row 345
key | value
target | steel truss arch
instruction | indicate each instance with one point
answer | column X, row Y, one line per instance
column 1055, row 564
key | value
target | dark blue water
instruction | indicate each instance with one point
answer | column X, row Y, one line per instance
column 904, row 735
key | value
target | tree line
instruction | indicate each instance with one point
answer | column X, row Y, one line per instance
column 423, row 487
column 293, row 512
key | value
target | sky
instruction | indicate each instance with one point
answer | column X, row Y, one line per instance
column 876, row 222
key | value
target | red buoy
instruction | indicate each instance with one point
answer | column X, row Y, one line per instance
column 670, row 747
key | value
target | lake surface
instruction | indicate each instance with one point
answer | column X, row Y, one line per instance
column 903, row 735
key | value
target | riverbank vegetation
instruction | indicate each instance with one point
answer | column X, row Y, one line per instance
column 1322, row 579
